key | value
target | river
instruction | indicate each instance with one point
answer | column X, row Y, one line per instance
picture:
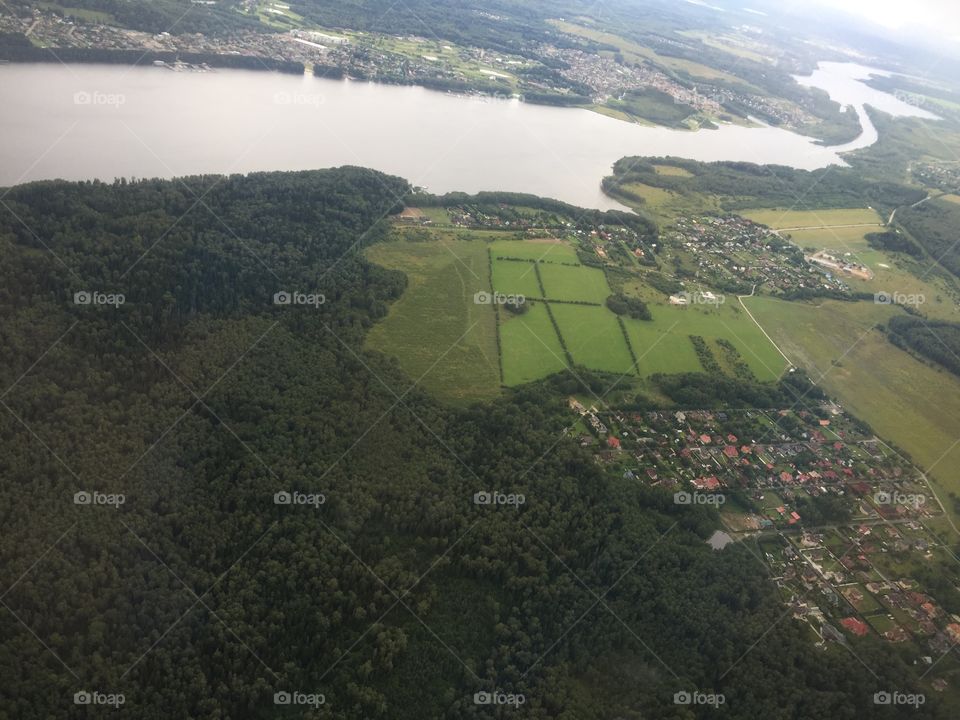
column 104, row 121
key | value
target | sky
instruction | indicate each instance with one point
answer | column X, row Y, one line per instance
column 941, row 17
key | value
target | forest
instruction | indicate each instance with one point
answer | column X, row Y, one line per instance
column 747, row 185
column 933, row 225
column 200, row 399
column 936, row 340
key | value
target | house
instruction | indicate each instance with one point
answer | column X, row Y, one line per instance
column 857, row 627
column 706, row 483
column 730, row 451
column 613, row 443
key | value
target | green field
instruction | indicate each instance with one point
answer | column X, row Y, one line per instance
column 672, row 170
column 586, row 284
column 540, row 249
column 906, row 401
column 531, row 349
column 663, row 345
column 516, row 278
column 593, row 337
column 425, row 328
column 892, row 272
column 784, row 218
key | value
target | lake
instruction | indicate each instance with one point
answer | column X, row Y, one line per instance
column 104, row 121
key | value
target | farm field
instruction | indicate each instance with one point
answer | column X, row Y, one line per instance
column 539, row 249
column 661, row 346
column 673, row 355
column 435, row 330
column 907, row 402
column 783, row 218
column 531, row 349
column 585, row 284
column 515, row 278
column 892, row 273
column 593, row 337
column 672, row 170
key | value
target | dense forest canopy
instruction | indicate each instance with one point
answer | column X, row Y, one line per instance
column 199, row 398
column 747, row 185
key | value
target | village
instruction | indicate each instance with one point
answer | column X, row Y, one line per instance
column 735, row 254
column 840, row 519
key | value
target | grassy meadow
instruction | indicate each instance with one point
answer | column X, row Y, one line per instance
column 435, row 330
column 906, row 401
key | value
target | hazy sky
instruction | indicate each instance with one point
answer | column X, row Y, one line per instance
column 942, row 17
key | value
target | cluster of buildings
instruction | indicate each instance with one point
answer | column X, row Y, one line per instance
column 845, row 573
column 942, row 175
column 735, row 253
column 846, row 582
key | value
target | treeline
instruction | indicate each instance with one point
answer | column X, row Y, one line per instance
column 625, row 305
column 156, row 16
column 715, row 390
column 15, row 47
column 585, row 218
column 934, row 226
column 893, row 241
column 936, row 340
column 746, row 185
